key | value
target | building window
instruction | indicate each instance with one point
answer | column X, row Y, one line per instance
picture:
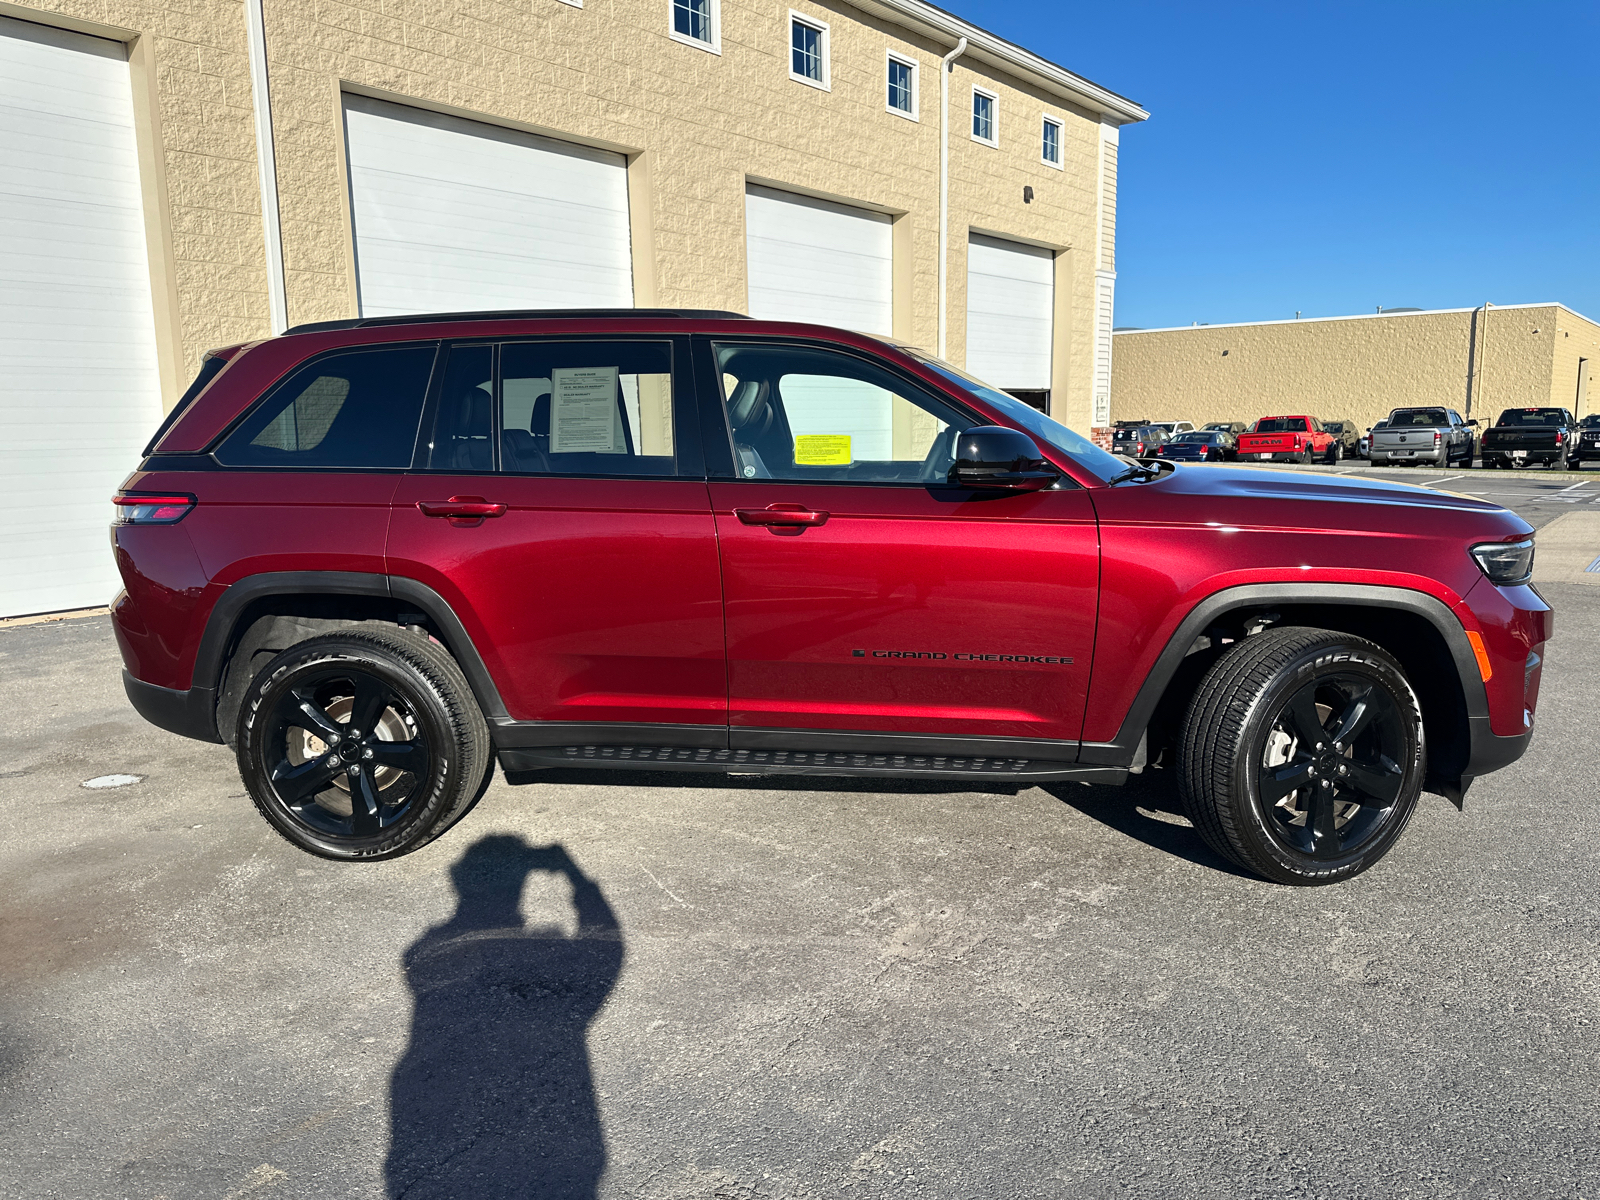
column 694, row 23
column 902, row 86
column 1050, row 142
column 983, row 118
column 808, row 51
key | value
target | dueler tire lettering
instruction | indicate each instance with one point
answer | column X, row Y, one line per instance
column 370, row 793
column 1302, row 756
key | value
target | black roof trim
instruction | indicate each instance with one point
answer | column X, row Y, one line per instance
column 540, row 314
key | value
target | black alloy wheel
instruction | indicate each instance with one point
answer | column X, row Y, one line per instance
column 1302, row 756
column 364, row 744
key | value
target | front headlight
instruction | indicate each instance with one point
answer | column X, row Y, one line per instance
column 1506, row 563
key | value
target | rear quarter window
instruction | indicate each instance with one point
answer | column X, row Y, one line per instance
column 358, row 408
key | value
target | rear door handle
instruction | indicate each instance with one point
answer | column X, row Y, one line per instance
column 781, row 514
column 461, row 506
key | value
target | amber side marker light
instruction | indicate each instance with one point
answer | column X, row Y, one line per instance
column 1480, row 654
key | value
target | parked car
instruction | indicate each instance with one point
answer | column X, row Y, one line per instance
column 1139, row 441
column 1364, row 445
column 1587, row 446
column 1348, row 435
column 1174, row 428
column 1233, row 427
column 374, row 555
column 1289, row 439
column 1208, row 445
column 1524, row 436
column 1429, row 434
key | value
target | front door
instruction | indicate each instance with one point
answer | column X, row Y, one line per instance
column 867, row 597
column 562, row 513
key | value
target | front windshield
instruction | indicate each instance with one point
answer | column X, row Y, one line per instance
column 1102, row 462
column 1591, row 422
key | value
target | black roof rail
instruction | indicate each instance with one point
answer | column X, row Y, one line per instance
column 542, row 314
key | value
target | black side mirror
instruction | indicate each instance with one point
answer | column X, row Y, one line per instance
column 994, row 458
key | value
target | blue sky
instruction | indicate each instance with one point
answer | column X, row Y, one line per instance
column 1335, row 157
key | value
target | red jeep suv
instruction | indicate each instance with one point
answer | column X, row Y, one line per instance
column 373, row 555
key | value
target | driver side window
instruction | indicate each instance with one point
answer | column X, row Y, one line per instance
column 814, row 415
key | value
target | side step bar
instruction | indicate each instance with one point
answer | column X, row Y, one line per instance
column 805, row 762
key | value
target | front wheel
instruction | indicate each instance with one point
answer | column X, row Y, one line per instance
column 1302, row 755
column 364, row 744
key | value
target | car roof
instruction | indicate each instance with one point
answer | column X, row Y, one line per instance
column 522, row 314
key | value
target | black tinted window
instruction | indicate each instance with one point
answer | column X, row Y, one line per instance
column 1532, row 416
column 1424, row 417
column 1281, row 425
column 358, row 409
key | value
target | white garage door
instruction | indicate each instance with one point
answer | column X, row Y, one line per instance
column 79, row 388
column 811, row 260
column 458, row 216
column 1010, row 312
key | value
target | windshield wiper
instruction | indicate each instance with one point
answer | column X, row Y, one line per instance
column 1133, row 472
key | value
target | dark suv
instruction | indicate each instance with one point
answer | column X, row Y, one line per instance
column 374, row 555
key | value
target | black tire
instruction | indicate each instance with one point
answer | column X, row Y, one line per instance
column 1258, row 721
column 372, row 793
column 1335, row 453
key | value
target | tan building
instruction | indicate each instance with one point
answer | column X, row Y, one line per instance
column 1477, row 361
column 201, row 172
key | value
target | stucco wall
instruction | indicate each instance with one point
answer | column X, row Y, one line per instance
column 1355, row 368
column 695, row 126
column 1576, row 338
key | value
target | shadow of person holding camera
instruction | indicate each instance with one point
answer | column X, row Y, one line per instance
column 494, row 1096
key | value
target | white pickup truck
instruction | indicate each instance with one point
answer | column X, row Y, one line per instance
column 1431, row 435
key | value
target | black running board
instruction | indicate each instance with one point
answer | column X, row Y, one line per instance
column 805, row 762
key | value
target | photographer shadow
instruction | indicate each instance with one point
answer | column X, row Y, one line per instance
column 494, row 1096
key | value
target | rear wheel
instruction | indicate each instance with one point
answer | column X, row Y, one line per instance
column 362, row 744
column 1335, row 453
column 1302, row 755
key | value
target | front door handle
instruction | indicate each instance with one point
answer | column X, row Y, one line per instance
column 781, row 514
column 475, row 507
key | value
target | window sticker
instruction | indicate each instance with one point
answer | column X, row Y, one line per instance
column 822, row 450
column 583, row 411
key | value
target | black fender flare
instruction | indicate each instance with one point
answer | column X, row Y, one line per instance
column 1486, row 752
column 222, row 625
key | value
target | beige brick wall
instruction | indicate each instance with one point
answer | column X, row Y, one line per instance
column 696, row 126
column 1576, row 338
column 1350, row 368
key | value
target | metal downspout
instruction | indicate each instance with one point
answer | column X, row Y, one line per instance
column 944, row 188
column 256, row 41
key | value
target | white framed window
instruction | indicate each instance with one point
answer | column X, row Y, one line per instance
column 1050, row 142
column 901, row 86
column 696, row 23
column 808, row 51
column 985, row 117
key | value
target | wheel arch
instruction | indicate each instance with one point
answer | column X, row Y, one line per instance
column 1418, row 629
column 263, row 614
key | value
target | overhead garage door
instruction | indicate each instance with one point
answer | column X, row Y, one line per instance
column 1010, row 313
column 457, row 216
column 812, row 260
column 79, row 388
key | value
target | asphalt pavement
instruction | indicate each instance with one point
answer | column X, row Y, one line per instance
column 679, row 987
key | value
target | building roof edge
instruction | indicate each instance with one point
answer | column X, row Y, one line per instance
column 1421, row 312
column 990, row 47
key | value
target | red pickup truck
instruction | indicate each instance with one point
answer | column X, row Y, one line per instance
column 1289, row 439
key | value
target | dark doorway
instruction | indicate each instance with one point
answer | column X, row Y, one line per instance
column 494, row 1096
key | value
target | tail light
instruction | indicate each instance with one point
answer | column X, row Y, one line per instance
column 135, row 508
column 1141, row 447
column 1437, row 437
column 1561, row 436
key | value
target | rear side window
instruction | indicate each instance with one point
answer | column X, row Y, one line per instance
column 580, row 408
column 357, row 409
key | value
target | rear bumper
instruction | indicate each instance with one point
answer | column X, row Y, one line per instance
column 1427, row 456
column 190, row 714
column 1494, row 454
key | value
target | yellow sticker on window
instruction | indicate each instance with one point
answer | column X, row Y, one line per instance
column 822, row 450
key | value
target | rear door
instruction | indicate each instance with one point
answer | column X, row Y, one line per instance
column 869, row 604
column 561, row 510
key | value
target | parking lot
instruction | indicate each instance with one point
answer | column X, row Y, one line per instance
column 693, row 986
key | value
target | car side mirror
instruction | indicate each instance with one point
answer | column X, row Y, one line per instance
column 994, row 458
column 1474, row 421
